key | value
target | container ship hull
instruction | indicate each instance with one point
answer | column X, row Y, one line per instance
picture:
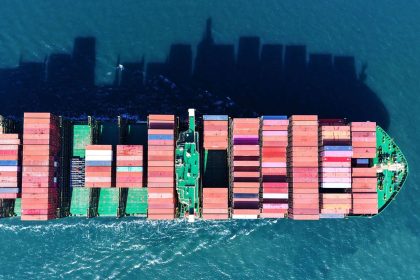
column 210, row 167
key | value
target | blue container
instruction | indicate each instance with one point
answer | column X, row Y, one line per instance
column 215, row 117
column 362, row 161
column 337, row 148
column 245, row 195
column 245, row 204
column 331, row 216
column 9, row 190
column 98, row 163
column 161, row 137
column 274, row 118
column 8, row 162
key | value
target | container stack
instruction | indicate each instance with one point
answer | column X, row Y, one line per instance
column 41, row 144
column 245, row 168
column 10, row 172
column 129, row 166
column 98, row 170
column 81, row 138
column 365, row 203
column 275, row 188
column 161, row 167
column 363, row 138
column 215, row 132
column 335, row 172
column 364, row 180
column 215, row 187
column 303, row 167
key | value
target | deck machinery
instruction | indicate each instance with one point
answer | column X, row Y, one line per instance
column 392, row 168
column 187, row 168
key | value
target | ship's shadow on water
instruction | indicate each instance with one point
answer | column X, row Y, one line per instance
column 257, row 77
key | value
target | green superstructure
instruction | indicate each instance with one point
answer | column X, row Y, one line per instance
column 392, row 168
column 187, row 167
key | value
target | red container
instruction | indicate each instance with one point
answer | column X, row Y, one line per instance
column 363, row 126
column 215, row 216
column 99, row 147
column 160, row 185
column 160, row 175
column 161, row 216
column 9, row 195
column 38, row 212
column 215, row 211
column 215, row 190
column 41, row 143
column 167, row 211
column 366, row 181
column 246, row 211
column 364, row 152
column 97, row 185
column 303, row 118
column 37, row 217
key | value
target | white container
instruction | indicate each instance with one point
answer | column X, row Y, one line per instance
column 244, row 217
column 276, row 195
column 98, row 179
column 336, row 185
column 98, row 152
column 9, row 168
column 161, row 195
column 98, row 158
column 336, row 169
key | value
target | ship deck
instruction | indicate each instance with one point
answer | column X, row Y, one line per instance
column 392, row 168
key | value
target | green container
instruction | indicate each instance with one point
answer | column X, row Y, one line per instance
column 18, row 207
column 129, row 169
column 136, row 202
column 108, row 202
column 80, row 201
column 81, row 138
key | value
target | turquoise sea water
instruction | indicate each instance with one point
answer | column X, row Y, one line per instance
column 384, row 34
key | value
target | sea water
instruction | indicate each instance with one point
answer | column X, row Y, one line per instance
column 384, row 34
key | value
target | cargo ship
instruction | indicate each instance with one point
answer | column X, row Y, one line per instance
column 208, row 167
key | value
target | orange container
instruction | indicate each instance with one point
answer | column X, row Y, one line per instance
column 160, row 185
column 246, row 190
column 304, row 118
column 215, row 216
column 215, row 211
column 155, row 117
column 215, row 205
column 160, row 148
column 99, row 147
